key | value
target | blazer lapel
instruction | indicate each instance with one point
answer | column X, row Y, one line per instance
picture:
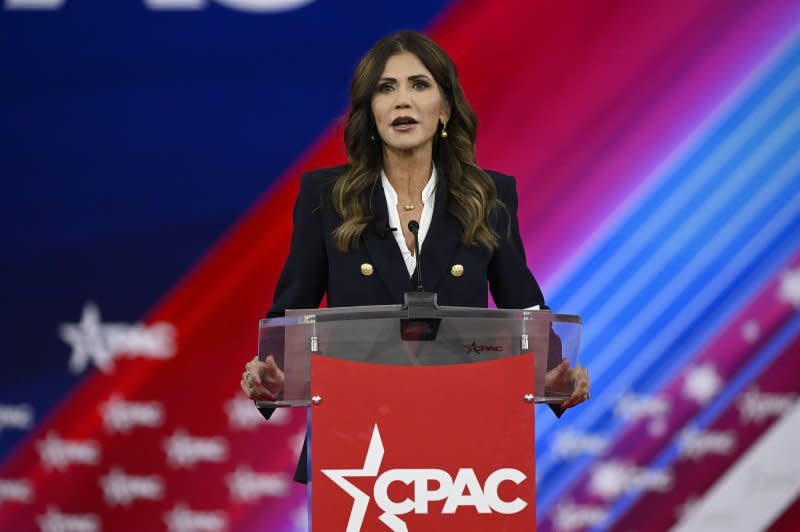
column 440, row 242
column 383, row 250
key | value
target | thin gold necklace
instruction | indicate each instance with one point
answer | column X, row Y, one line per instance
column 409, row 206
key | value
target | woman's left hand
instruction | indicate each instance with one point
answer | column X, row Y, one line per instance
column 577, row 377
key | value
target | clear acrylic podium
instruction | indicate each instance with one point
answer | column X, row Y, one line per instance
column 421, row 419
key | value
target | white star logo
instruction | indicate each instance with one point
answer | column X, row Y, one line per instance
column 789, row 289
column 243, row 415
column 94, row 341
column 751, row 331
column 87, row 341
column 372, row 464
column 609, row 479
column 702, row 383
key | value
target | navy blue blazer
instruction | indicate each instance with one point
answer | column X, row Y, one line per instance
column 315, row 267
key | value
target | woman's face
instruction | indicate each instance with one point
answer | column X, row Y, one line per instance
column 407, row 104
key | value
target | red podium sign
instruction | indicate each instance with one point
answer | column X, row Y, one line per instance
column 423, row 448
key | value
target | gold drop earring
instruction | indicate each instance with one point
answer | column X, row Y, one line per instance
column 444, row 128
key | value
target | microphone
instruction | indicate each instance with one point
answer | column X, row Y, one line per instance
column 413, row 226
column 382, row 227
column 422, row 325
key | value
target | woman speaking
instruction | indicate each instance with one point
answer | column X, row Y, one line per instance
column 410, row 141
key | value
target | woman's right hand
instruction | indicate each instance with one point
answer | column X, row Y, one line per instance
column 262, row 380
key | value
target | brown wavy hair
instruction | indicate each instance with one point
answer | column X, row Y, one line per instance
column 472, row 195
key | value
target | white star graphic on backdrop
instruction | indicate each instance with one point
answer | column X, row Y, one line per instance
column 657, row 427
column 789, row 288
column 87, row 340
column 372, row 464
column 243, row 414
column 609, row 479
column 702, row 383
column 751, row 330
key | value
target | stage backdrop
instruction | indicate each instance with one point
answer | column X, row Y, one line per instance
column 150, row 154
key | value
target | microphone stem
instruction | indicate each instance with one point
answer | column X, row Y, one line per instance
column 413, row 226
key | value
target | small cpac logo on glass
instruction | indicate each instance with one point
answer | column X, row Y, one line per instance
column 482, row 348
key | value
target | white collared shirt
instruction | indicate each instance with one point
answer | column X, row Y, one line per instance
column 428, row 199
